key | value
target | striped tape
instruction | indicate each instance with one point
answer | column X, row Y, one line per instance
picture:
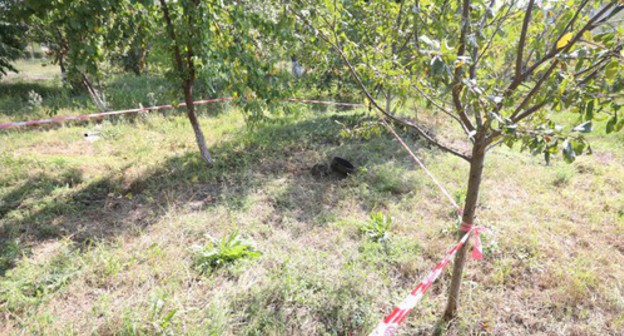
column 152, row 108
column 321, row 102
column 390, row 325
column 105, row 114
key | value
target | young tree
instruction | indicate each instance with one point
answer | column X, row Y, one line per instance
column 497, row 70
column 74, row 32
column 238, row 42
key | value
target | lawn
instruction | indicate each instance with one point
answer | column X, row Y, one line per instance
column 100, row 235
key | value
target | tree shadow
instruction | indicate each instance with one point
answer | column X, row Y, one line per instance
column 107, row 207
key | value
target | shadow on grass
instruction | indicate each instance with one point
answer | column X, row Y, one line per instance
column 46, row 207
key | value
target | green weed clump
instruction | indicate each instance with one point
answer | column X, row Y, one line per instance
column 228, row 251
column 376, row 229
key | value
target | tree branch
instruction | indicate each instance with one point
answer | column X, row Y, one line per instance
column 489, row 43
column 442, row 108
column 373, row 101
column 533, row 91
column 457, row 87
column 530, row 111
column 522, row 42
column 172, row 36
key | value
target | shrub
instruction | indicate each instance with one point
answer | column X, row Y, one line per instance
column 228, row 251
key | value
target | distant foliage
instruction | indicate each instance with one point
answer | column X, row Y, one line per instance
column 11, row 45
column 228, row 251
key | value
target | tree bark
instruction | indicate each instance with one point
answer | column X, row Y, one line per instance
column 472, row 197
column 190, row 111
column 61, row 63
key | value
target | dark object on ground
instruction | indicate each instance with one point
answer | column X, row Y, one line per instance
column 342, row 167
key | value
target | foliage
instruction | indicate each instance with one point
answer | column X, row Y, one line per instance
column 229, row 250
column 490, row 75
column 495, row 70
column 378, row 226
column 11, row 44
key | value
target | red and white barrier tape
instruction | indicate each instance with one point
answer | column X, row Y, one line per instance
column 310, row 101
column 389, row 325
column 105, row 114
column 151, row 108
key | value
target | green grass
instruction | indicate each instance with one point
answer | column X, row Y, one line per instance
column 97, row 237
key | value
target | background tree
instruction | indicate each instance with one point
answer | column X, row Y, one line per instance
column 11, row 45
column 11, row 42
column 81, row 36
column 237, row 42
column 136, row 28
column 499, row 72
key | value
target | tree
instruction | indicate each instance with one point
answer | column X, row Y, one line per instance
column 238, row 42
column 183, row 44
column 11, row 46
column 497, row 71
column 11, row 43
column 73, row 33
column 131, row 34
column 80, row 35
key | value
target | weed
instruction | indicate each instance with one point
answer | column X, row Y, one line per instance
column 229, row 250
column 34, row 100
column 31, row 283
column 563, row 177
column 161, row 317
column 10, row 250
column 377, row 228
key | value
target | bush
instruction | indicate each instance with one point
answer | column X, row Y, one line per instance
column 228, row 251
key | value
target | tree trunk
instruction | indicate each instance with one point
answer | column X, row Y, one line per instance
column 61, row 63
column 472, row 196
column 190, row 111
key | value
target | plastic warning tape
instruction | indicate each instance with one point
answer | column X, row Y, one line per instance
column 151, row 108
column 321, row 102
column 105, row 114
column 389, row 325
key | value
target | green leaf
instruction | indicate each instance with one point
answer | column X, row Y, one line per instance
column 611, row 70
column 579, row 146
column 564, row 40
column 568, row 152
column 584, row 127
column 589, row 111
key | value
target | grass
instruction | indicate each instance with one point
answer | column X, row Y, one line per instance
column 97, row 237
